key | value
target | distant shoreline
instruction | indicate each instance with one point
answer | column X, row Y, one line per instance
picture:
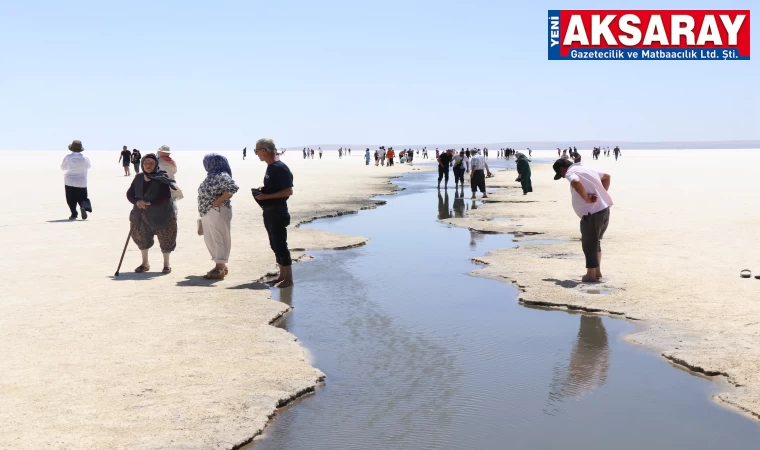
column 580, row 145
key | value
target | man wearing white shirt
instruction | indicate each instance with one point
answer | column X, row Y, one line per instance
column 591, row 203
column 75, row 179
column 478, row 176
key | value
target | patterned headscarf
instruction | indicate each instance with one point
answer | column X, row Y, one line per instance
column 157, row 174
column 215, row 164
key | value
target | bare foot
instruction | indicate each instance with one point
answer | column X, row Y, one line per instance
column 285, row 284
column 485, row 196
column 588, row 279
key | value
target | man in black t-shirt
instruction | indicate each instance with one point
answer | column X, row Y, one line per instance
column 273, row 199
column 125, row 158
column 444, row 162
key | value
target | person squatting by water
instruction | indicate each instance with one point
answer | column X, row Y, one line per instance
column 592, row 204
column 153, row 212
column 215, row 211
column 478, row 175
column 75, row 165
column 273, row 199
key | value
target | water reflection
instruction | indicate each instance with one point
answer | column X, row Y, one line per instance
column 587, row 369
column 476, row 238
column 459, row 204
column 443, row 206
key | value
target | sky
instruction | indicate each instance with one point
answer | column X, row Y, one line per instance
column 203, row 75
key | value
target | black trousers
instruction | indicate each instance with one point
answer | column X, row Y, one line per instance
column 443, row 172
column 137, row 167
column 478, row 181
column 77, row 196
column 593, row 227
column 276, row 221
column 459, row 175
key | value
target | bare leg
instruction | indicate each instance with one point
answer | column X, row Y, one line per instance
column 287, row 277
column 599, row 269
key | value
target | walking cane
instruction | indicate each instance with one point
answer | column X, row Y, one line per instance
column 131, row 227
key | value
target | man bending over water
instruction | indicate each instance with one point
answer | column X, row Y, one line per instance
column 591, row 202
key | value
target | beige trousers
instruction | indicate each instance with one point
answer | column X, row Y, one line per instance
column 217, row 224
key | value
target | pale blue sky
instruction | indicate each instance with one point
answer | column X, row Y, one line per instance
column 218, row 75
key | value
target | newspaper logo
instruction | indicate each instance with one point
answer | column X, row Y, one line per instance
column 718, row 35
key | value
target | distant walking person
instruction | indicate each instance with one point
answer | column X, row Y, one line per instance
column 136, row 157
column 523, row 170
column 245, row 151
column 215, row 210
column 366, row 157
column 273, row 199
column 591, row 203
column 75, row 165
column 153, row 213
column 125, row 158
column 617, row 152
column 478, row 176
column 320, row 152
column 390, row 155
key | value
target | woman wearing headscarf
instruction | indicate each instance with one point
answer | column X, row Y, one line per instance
column 523, row 169
column 168, row 165
column 215, row 209
column 75, row 180
column 153, row 213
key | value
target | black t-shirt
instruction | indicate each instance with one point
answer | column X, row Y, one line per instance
column 125, row 155
column 445, row 160
column 278, row 177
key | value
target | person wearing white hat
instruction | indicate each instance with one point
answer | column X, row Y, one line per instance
column 166, row 163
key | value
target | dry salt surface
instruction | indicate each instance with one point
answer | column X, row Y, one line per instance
column 684, row 223
column 152, row 361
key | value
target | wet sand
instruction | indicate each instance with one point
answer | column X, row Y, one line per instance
column 150, row 360
column 684, row 224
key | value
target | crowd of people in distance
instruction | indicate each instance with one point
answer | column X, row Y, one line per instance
column 606, row 150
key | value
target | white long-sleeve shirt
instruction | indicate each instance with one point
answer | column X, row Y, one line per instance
column 75, row 165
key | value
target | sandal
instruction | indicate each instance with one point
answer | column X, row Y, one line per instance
column 215, row 274
column 166, row 271
column 142, row 269
column 746, row 273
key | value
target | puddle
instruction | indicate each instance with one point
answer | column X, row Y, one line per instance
column 596, row 291
column 420, row 355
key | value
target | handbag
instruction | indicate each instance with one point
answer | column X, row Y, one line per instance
column 200, row 227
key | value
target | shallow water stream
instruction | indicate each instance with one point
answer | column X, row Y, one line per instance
column 421, row 355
